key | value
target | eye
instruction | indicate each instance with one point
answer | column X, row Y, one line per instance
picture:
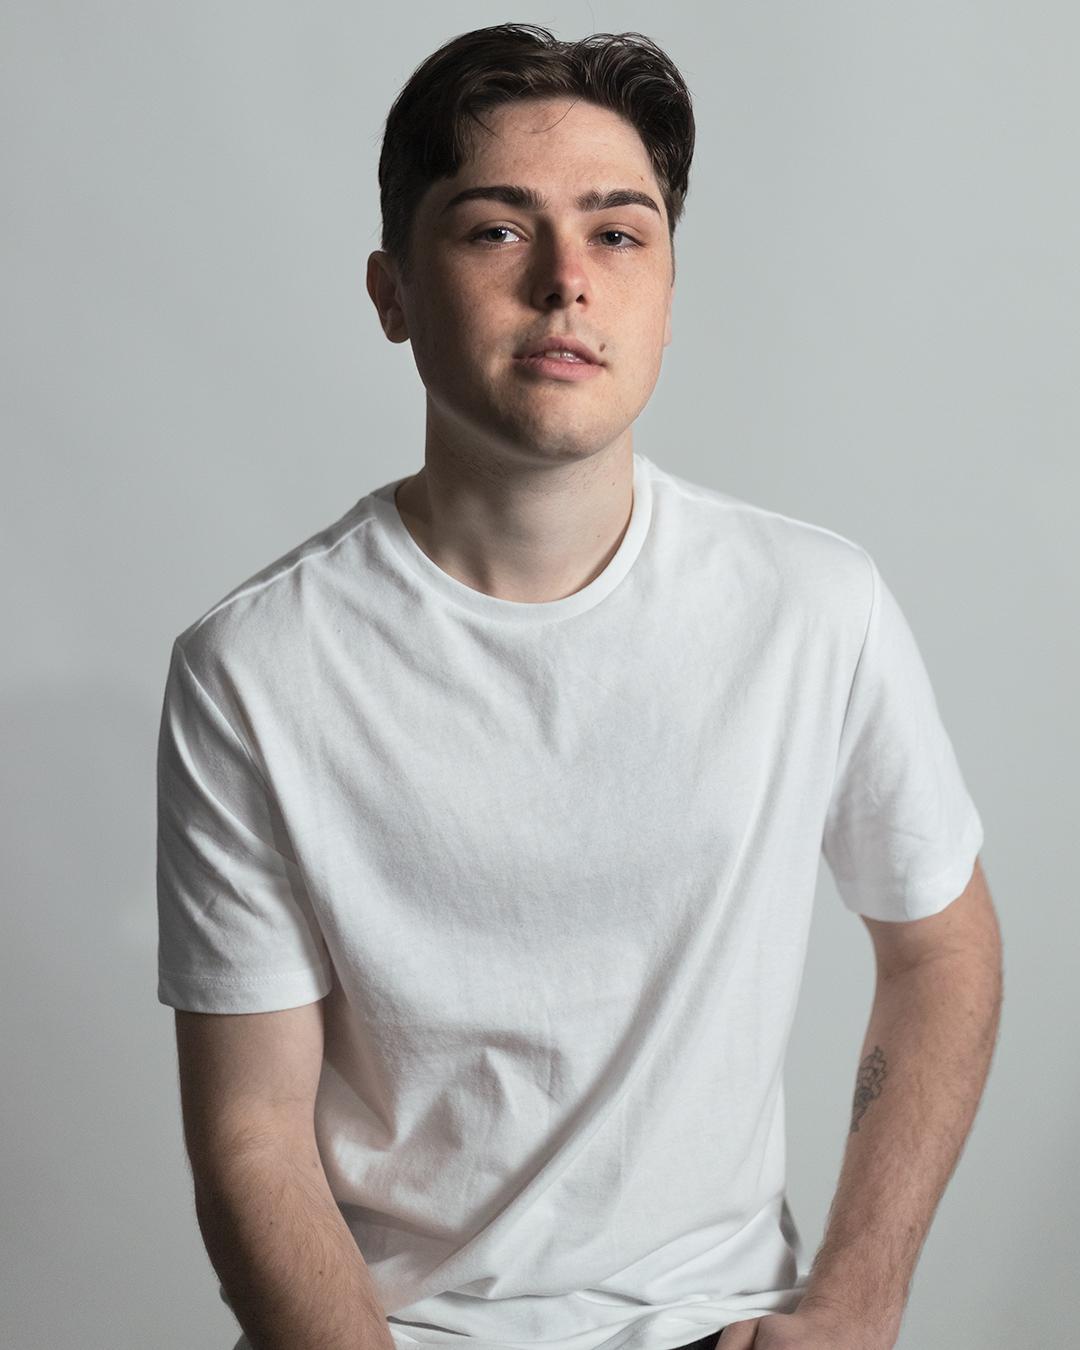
column 491, row 229
column 627, row 247
column 631, row 243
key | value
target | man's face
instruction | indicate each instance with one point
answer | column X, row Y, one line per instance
column 490, row 277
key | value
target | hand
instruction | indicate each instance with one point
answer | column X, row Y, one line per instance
column 804, row 1329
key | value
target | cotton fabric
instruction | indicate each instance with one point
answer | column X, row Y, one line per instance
column 552, row 868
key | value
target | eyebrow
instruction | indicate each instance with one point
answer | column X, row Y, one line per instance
column 530, row 200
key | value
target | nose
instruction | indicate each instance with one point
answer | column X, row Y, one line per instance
column 560, row 275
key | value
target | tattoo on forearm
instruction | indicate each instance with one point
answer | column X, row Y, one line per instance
column 872, row 1074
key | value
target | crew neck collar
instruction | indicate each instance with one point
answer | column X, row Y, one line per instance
column 517, row 611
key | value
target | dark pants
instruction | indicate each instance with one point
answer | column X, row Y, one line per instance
column 706, row 1343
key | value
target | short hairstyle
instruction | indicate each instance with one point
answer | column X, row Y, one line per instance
column 427, row 132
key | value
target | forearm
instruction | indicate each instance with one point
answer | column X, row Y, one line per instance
column 292, row 1270
column 923, row 1067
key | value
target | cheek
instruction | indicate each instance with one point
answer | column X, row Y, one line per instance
column 439, row 327
column 465, row 319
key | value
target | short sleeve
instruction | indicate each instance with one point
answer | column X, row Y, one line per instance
column 236, row 931
column 901, row 833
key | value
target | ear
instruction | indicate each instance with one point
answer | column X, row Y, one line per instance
column 384, row 288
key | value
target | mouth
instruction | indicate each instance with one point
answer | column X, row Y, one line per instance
column 560, row 347
column 553, row 365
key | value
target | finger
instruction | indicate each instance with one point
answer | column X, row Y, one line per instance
column 738, row 1335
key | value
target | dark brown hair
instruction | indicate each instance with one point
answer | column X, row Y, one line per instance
column 428, row 129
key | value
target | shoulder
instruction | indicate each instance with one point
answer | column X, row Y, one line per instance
column 266, row 614
column 795, row 561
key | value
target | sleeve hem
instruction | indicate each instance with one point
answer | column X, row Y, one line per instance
column 231, row 994
column 918, row 899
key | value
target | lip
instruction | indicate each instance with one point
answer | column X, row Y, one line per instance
column 557, row 369
column 557, row 342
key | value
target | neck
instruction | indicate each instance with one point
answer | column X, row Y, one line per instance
column 534, row 535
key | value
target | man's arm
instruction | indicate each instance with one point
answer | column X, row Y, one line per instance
column 924, row 1062
column 292, row 1270
column 295, row 1278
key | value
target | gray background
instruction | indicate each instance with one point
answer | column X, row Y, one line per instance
column 875, row 330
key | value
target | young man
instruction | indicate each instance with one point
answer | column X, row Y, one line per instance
column 497, row 807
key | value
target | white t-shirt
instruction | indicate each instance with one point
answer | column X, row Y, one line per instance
column 552, row 866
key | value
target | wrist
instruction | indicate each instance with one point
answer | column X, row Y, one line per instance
column 849, row 1324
